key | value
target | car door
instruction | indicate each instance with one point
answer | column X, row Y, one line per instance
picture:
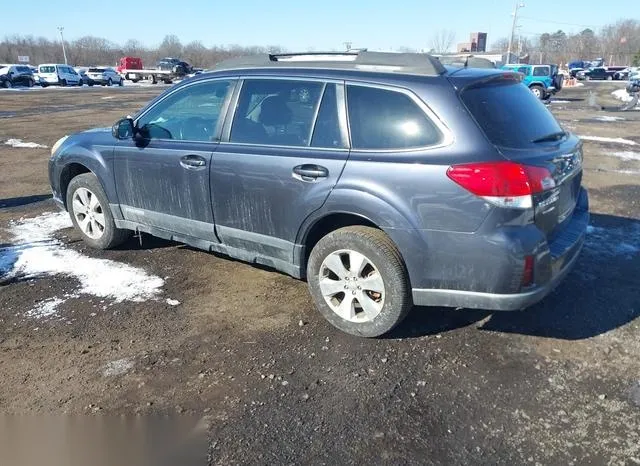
column 162, row 174
column 280, row 157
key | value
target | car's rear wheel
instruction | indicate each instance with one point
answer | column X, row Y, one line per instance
column 609, row 78
column 63, row 82
column 538, row 91
column 358, row 281
column 8, row 84
column 109, row 82
column 121, row 82
column 89, row 210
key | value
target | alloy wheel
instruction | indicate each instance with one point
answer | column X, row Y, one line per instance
column 88, row 213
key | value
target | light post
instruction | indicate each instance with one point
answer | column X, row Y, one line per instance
column 513, row 29
column 64, row 52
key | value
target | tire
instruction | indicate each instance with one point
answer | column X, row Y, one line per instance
column 109, row 82
column 63, row 82
column 80, row 83
column 85, row 187
column 153, row 79
column 386, row 308
column 538, row 91
column 8, row 84
column 121, row 82
column 30, row 83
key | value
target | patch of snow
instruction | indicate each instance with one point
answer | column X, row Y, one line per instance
column 172, row 302
column 46, row 308
column 621, row 241
column 622, row 94
column 560, row 101
column 19, row 144
column 628, row 142
column 108, row 97
column 36, row 253
column 607, row 118
column 626, row 155
column 117, row 367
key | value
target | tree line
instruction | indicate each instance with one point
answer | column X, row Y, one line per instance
column 617, row 44
column 90, row 50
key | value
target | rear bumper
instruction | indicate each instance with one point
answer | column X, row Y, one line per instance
column 553, row 262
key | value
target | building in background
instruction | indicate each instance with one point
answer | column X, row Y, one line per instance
column 477, row 43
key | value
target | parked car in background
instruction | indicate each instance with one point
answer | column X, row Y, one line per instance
column 627, row 74
column 104, row 77
column 599, row 73
column 82, row 71
column 279, row 158
column 573, row 72
column 543, row 80
column 58, row 74
column 17, row 75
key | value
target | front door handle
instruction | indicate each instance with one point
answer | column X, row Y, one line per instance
column 193, row 162
column 310, row 172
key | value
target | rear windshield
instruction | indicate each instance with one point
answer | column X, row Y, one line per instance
column 509, row 114
column 47, row 69
column 96, row 70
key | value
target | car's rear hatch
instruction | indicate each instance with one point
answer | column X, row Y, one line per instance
column 525, row 132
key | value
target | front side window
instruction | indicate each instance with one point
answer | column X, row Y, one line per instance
column 383, row 119
column 189, row 114
column 276, row 112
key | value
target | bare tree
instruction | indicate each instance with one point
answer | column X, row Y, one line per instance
column 443, row 40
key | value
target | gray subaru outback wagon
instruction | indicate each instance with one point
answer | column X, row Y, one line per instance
column 385, row 180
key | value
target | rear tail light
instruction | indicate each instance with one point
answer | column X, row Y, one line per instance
column 504, row 183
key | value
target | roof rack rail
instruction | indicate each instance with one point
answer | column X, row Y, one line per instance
column 363, row 60
column 468, row 61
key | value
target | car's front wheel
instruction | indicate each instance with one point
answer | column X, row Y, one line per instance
column 358, row 281
column 89, row 209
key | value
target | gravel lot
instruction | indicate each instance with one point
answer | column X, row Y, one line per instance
column 243, row 349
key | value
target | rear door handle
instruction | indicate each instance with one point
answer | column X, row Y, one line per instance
column 193, row 162
column 310, row 172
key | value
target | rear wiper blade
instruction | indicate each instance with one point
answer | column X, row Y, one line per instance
column 551, row 137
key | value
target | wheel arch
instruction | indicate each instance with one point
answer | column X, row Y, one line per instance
column 69, row 172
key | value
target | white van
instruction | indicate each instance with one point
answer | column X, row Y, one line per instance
column 64, row 75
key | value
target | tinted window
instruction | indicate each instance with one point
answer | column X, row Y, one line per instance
column 96, row 70
column 524, row 70
column 327, row 129
column 540, row 71
column 383, row 119
column 276, row 112
column 47, row 69
column 509, row 114
column 189, row 114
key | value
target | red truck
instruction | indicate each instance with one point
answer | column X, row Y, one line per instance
column 131, row 68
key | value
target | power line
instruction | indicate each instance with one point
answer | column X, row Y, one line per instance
column 558, row 22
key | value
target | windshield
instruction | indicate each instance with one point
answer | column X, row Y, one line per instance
column 47, row 69
column 509, row 114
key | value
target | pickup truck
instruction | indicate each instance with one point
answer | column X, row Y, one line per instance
column 543, row 80
column 166, row 70
column 599, row 72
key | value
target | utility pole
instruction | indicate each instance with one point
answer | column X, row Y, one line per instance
column 64, row 52
column 513, row 29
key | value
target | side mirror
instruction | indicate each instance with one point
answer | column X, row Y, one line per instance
column 123, row 129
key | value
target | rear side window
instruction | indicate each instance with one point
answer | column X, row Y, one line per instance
column 509, row 114
column 382, row 119
column 540, row 71
column 276, row 112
